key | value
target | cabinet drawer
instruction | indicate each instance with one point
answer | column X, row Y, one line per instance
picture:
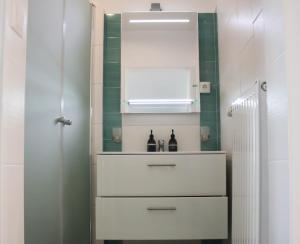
column 184, row 218
column 161, row 175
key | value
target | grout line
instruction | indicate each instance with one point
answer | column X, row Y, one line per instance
column 257, row 16
column 4, row 165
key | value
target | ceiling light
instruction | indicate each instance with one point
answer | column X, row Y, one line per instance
column 159, row 21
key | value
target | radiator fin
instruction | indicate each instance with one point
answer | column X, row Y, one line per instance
column 246, row 168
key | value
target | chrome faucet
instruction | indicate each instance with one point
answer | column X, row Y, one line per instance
column 161, row 145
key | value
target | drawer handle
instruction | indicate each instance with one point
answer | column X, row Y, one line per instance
column 161, row 165
column 162, row 209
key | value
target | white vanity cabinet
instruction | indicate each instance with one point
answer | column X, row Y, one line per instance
column 161, row 196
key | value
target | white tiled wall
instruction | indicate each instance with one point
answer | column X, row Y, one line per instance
column 97, row 77
column 241, row 47
column 251, row 44
column 96, row 95
column 12, row 83
column 136, row 130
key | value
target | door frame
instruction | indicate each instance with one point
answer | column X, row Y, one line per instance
column 2, row 18
column 292, row 40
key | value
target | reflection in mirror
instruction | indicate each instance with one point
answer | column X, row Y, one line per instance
column 159, row 90
column 160, row 62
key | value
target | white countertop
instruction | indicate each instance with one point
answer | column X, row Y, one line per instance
column 163, row 153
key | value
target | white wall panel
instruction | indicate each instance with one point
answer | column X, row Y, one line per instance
column 12, row 211
column 12, row 90
column 279, row 202
column 292, row 9
column 245, row 19
column 274, row 29
column 277, row 111
column 258, row 47
column 247, row 65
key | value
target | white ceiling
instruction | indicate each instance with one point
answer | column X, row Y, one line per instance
column 119, row 6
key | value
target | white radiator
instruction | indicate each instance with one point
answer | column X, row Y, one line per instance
column 246, row 167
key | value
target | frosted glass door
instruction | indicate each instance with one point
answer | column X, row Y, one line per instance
column 43, row 159
column 57, row 195
column 76, row 90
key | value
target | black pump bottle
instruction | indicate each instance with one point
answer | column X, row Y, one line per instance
column 173, row 143
column 151, row 145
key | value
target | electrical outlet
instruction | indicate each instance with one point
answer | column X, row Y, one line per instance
column 204, row 87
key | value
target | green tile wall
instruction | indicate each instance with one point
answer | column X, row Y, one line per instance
column 209, row 71
column 111, row 81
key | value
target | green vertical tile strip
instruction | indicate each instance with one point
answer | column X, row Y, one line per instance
column 209, row 71
column 111, row 85
column 111, row 82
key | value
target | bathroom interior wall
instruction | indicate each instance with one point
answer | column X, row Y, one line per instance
column 13, row 21
column 118, row 6
column 252, row 48
column 136, row 127
column 98, row 84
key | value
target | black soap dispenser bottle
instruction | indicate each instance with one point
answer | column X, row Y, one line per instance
column 151, row 145
column 173, row 143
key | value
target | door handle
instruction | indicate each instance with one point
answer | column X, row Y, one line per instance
column 161, row 208
column 161, row 165
column 63, row 121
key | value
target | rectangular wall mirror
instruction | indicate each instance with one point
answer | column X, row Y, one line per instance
column 160, row 63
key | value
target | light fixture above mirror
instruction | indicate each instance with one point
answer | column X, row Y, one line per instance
column 136, row 21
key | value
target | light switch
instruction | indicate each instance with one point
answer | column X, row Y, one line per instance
column 17, row 16
column 204, row 133
column 205, row 87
